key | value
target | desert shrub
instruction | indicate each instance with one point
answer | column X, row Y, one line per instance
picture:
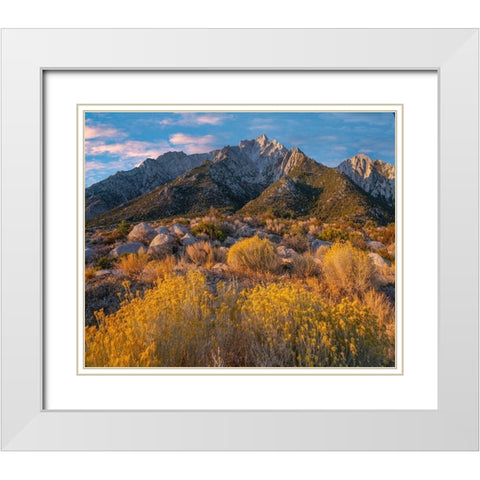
column 156, row 269
column 305, row 266
column 123, row 229
column 220, row 254
column 168, row 327
column 274, row 225
column 330, row 234
column 383, row 252
column 290, row 326
column 379, row 305
column 321, row 251
column 89, row 273
column 181, row 221
column 347, row 270
column 298, row 242
column 387, row 235
column 179, row 323
column 254, row 254
column 132, row 264
column 357, row 240
column 104, row 263
column 201, row 253
column 212, row 230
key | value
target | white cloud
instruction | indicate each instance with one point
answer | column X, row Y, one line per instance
column 191, row 120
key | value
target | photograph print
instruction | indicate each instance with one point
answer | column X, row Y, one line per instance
column 258, row 238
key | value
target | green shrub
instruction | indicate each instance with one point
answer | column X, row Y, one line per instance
column 214, row 232
column 104, row 263
column 331, row 234
column 123, row 229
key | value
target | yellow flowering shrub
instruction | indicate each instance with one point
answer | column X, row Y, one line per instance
column 254, row 254
column 180, row 322
column 347, row 270
column 290, row 326
column 167, row 327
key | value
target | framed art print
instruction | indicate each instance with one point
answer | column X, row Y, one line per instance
column 240, row 252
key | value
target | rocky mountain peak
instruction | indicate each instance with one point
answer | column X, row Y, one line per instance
column 375, row 177
column 261, row 148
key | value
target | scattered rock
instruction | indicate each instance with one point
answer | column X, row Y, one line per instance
column 89, row 254
column 178, row 230
column 286, row 252
column 188, row 239
column 229, row 241
column 274, row 238
column 142, row 233
column 316, row 244
column 102, row 273
column 160, row 251
column 374, row 246
column 246, row 231
column 162, row 229
column 135, row 247
column 379, row 261
column 220, row 267
column 162, row 239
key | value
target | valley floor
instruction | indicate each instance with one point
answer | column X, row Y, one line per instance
column 236, row 291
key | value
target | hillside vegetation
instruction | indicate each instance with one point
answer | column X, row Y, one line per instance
column 241, row 291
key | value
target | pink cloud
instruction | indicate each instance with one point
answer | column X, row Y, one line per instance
column 183, row 139
column 130, row 148
column 102, row 131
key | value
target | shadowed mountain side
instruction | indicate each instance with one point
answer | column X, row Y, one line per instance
column 126, row 185
column 300, row 187
column 310, row 188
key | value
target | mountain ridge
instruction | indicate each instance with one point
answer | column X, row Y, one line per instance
column 254, row 176
column 377, row 178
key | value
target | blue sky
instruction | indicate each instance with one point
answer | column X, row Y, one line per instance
column 122, row 140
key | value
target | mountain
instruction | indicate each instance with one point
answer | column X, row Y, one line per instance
column 374, row 177
column 310, row 188
column 255, row 176
column 229, row 179
column 126, row 185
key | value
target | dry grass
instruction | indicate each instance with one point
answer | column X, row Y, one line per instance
column 305, row 266
column 297, row 242
column 274, row 225
column 347, row 270
column 132, row 265
column 201, row 253
column 254, row 255
column 158, row 269
column 89, row 273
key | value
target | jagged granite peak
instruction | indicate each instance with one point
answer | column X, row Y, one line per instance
column 151, row 173
column 291, row 160
column 377, row 178
column 262, row 147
